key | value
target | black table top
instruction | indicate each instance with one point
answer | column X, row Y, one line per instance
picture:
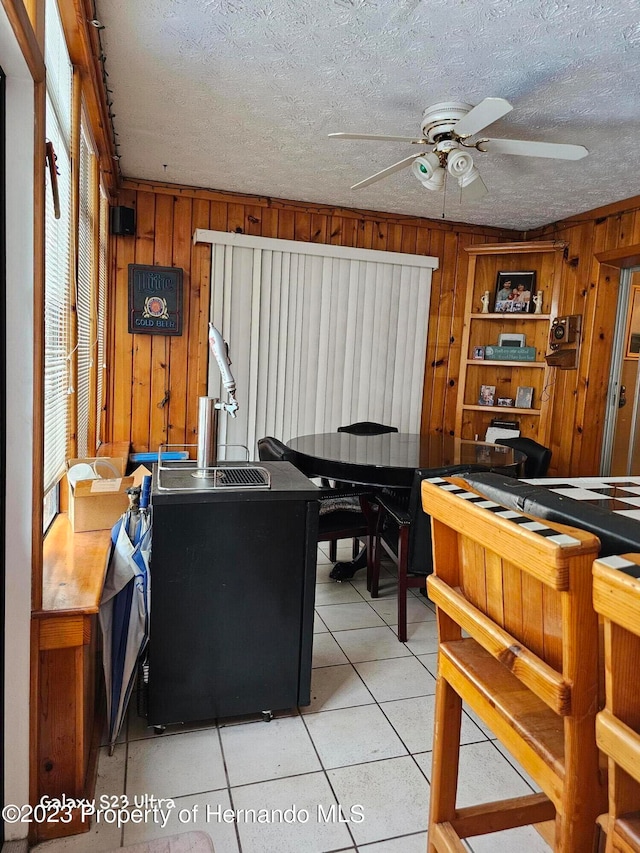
column 391, row 459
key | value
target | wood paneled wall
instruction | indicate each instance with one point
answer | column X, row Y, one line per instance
column 154, row 382
column 590, row 288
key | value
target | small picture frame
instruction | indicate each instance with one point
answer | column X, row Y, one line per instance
column 505, row 401
column 478, row 352
column 524, row 397
column 514, row 292
column 507, row 339
column 487, row 395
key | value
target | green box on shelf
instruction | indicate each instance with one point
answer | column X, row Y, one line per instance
column 510, row 353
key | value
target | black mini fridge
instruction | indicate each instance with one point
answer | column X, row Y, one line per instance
column 232, row 595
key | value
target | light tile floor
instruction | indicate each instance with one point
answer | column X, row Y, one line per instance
column 364, row 742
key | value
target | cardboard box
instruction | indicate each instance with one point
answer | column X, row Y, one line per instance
column 98, row 504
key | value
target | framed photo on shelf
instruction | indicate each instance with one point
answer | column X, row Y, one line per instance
column 511, row 340
column 508, row 340
column 487, row 395
column 514, row 292
column 478, row 352
column 524, row 397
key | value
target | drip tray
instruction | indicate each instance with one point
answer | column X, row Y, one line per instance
column 235, row 478
column 186, row 477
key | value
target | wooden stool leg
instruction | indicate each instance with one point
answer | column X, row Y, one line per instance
column 446, row 756
column 582, row 802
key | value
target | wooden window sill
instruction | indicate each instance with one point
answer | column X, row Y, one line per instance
column 74, row 567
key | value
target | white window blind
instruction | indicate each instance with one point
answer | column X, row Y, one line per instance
column 319, row 335
column 57, row 251
column 84, row 308
column 99, row 348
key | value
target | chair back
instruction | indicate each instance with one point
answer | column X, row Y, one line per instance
column 272, row 450
column 538, row 456
column 420, row 558
column 367, row 428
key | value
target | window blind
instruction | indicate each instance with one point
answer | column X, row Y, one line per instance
column 57, row 251
column 319, row 335
column 84, row 295
column 99, row 347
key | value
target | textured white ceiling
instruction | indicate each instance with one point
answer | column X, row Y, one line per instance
column 240, row 95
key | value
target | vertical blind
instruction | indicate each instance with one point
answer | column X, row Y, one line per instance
column 57, row 251
column 319, row 335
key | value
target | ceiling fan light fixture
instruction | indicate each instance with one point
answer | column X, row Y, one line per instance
column 428, row 171
column 469, row 177
column 460, row 164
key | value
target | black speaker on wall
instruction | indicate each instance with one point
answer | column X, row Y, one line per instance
column 123, row 221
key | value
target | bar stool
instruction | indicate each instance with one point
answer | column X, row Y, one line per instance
column 527, row 664
column 616, row 596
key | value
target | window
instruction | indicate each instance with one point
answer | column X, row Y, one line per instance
column 57, row 253
column 75, row 276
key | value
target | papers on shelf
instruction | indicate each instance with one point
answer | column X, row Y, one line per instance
column 494, row 433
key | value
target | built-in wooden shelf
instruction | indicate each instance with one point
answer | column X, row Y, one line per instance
column 515, row 315
column 486, row 262
column 491, row 363
column 503, row 409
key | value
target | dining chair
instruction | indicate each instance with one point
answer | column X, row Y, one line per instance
column 367, row 428
column 403, row 532
column 341, row 515
column 361, row 428
column 538, row 456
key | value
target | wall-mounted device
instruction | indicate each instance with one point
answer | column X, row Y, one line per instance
column 564, row 341
column 123, row 221
column 564, row 330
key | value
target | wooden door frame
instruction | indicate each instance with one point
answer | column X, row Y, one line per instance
column 610, row 266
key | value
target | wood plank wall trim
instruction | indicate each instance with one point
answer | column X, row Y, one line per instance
column 26, row 37
column 616, row 208
column 311, row 209
column 627, row 256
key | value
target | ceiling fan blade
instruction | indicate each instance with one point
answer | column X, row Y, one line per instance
column 379, row 138
column 401, row 164
column 474, row 191
column 527, row 148
column 487, row 111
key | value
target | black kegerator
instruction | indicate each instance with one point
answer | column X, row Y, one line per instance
column 232, row 593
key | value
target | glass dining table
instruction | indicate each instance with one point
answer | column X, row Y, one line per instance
column 390, row 460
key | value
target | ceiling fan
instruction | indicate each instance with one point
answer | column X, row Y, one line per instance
column 446, row 129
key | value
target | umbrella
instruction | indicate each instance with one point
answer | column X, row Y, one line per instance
column 124, row 607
